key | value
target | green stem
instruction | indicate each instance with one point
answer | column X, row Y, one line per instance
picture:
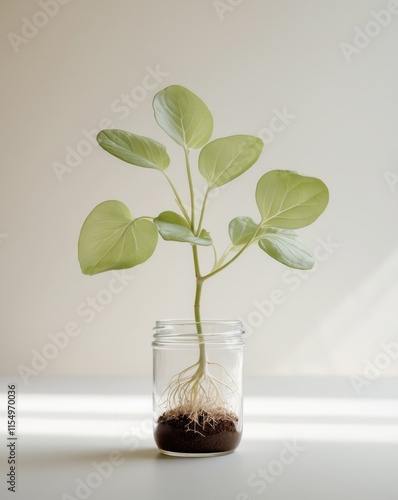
column 178, row 199
column 199, row 282
column 219, row 262
column 197, row 312
column 215, row 255
column 191, row 190
column 202, row 213
column 213, row 273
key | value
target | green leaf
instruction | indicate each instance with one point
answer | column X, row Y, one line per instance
column 289, row 200
column 134, row 149
column 286, row 247
column 205, row 235
column 111, row 239
column 183, row 116
column 241, row 230
column 173, row 227
column 224, row 159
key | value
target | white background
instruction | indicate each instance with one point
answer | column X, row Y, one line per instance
column 244, row 62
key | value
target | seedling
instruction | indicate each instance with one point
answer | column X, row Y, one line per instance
column 111, row 238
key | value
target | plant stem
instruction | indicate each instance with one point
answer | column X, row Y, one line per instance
column 215, row 255
column 178, row 199
column 197, row 313
column 202, row 213
column 191, row 190
column 199, row 281
column 219, row 262
column 213, row 273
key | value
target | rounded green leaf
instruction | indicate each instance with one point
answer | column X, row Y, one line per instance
column 286, row 247
column 224, row 159
column 173, row 227
column 289, row 200
column 241, row 230
column 111, row 239
column 183, row 116
column 134, row 149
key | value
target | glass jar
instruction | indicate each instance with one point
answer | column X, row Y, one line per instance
column 197, row 386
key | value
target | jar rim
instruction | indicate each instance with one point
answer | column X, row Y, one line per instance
column 185, row 330
column 180, row 322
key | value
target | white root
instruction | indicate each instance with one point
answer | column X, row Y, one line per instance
column 201, row 395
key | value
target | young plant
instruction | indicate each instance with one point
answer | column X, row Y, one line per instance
column 111, row 238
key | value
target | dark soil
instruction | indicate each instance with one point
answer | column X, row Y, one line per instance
column 177, row 433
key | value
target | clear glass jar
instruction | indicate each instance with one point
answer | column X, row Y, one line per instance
column 197, row 386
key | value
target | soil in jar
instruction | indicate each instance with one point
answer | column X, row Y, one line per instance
column 177, row 431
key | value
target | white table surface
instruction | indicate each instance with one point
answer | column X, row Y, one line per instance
column 347, row 446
